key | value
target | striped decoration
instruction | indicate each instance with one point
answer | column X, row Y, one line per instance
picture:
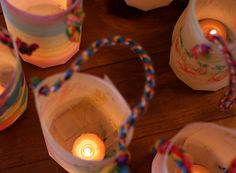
column 123, row 155
column 203, row 49
column 74, row 22
column 13, row 101
column 12, row 113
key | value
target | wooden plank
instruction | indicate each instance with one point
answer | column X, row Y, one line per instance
column 142, row 156
column 22, row 147
column 37, row 167
column 23, row 142
column 186, row 106
column 106, row 18
column 140, row 149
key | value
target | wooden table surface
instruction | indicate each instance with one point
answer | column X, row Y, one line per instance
column 22, row 146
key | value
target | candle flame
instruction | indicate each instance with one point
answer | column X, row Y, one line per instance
column 213, row 32
column 89, row 147
column 87, row 152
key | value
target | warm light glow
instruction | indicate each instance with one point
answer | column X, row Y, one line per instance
column 89, row 147
column 199, row 169
column 45, row 9
column 2, row 89
column 213, row 32
column 213, row 27
column 88, row 152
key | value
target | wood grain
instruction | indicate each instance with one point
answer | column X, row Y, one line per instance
column 22, row 147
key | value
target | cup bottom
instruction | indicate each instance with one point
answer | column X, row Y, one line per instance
column 44, row 62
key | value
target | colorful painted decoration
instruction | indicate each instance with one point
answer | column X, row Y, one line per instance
column 203, row 49
column 13, row 88
column 52, row 25
column 198, row 22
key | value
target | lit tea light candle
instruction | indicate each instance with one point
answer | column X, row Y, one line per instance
column 45, row 9
column 2, row 89
column 213, row 27
column 199, row 169
column 89, row 147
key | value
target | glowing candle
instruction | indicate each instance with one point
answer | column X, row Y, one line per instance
column 213, row 27
column 89, row 147
column 45, row 9
column 199, row 169
column 2, row 89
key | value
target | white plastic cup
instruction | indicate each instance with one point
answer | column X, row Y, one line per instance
column 208, row 73
column 44, row 23
column 211, row 146
column 53, row 111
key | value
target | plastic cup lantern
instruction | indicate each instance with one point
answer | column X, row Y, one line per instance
column 148, row 4
column 13, row 88
column 200, row 20
column 86, row 123
column 212, row 148
column 53, row 24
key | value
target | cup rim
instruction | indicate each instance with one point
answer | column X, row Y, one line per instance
column 40, row 17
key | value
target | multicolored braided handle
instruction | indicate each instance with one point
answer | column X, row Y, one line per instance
column 138, row 110
column 180, row 156
column 203, row 49
column 74, row 22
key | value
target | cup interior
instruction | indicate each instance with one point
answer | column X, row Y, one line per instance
column 221, row 11
column 85, row 104
column 41, row 8
column 82, row 116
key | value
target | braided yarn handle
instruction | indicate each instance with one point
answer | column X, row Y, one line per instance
column 180, row 156
column 24, row 48
column 74, row 22
column 203, row 49
column 139, row 109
